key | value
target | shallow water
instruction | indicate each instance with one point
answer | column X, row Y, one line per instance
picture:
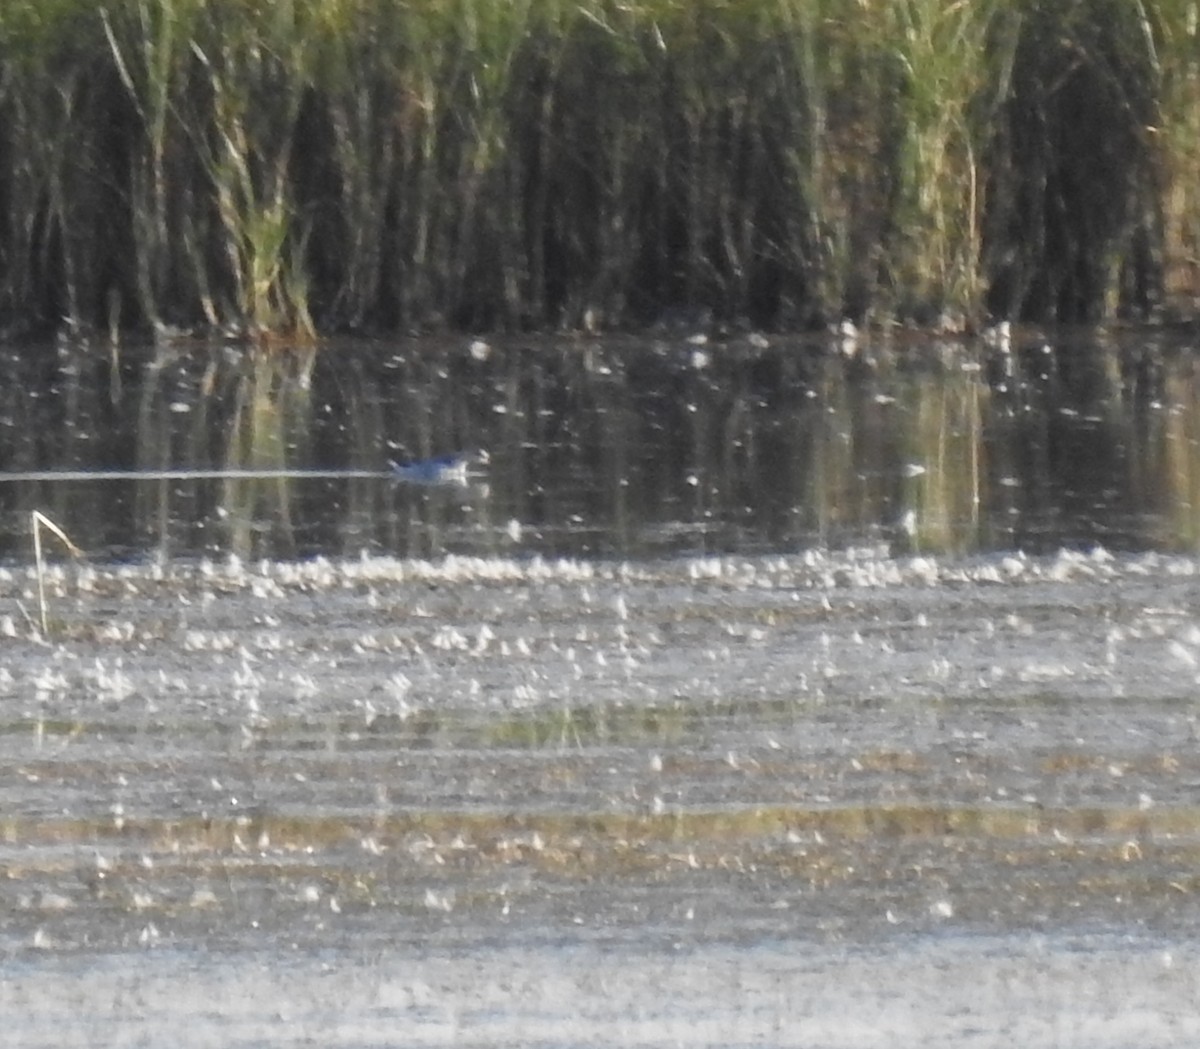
column 733, row 786
column 459, row 792
column 628, row 448
column 1074, row 993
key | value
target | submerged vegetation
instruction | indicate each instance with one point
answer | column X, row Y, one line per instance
column 279, row 167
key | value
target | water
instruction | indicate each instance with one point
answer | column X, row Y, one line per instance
column 628, row 449
column 853, row 708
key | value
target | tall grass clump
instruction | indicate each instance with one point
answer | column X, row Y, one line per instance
column 148, row 45
column 1072, row 204
column 271, row 167
column 1175, row 138
column 885, row 135
column 944, row 55
column 58, row 230
column 223, row 95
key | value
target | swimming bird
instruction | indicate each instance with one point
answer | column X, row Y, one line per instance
column 442, row 469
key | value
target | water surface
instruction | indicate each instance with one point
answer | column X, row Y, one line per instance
column 617, row 448
column 762, row 694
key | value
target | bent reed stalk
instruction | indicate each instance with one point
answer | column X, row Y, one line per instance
column 38, row 521
column 271, row 168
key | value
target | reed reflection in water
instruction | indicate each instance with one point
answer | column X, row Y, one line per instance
column 622, row 447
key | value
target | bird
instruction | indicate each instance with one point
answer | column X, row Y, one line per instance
column 441, row 469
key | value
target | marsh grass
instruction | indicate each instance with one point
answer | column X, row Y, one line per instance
column 942, row 59
column 1175, row 139
column 272, row 168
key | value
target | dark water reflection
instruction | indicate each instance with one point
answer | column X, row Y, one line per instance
column 627, row 448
